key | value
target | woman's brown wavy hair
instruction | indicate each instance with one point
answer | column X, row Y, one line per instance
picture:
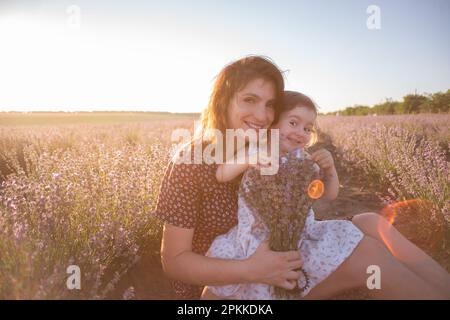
column 231, row 79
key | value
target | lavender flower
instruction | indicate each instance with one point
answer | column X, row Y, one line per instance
column 282, row 202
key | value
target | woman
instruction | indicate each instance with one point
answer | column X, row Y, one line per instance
column 196, row 209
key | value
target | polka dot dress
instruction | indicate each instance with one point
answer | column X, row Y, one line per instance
column 190, row 197
column 324, row 245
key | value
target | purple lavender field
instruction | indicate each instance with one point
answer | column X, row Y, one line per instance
column 82, row 194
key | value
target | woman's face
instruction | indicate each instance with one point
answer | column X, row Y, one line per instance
column 295, row 127
column 253, row 107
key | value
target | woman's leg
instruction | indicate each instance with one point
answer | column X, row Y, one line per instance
column 397, row 281
column 376, row 226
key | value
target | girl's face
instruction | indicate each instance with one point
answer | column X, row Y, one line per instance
column 253, row 106
column 295, row 127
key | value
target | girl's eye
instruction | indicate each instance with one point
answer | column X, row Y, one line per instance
column 308, row 130
column 293, row 123
column 249, row 100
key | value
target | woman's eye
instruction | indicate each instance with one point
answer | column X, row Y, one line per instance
column 308, row 130
column 293, row 123
column 270, row 105
column 249, row 100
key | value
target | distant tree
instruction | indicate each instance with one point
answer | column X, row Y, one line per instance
column 437, row 102
column 356, row 111
column 400, row 108
column 412, row 103
column 387, row 107
column 363, row 110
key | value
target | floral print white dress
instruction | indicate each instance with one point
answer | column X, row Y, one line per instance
column 324, row 245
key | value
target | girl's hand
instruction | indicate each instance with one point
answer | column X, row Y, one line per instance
column 324, row 159
column 274, row 268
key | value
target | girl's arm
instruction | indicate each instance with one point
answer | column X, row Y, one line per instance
column 326, row 163
column 331, row 181
column 228, row 171
column 264, row 266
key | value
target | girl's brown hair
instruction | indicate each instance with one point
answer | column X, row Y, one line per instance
column 293, row 99
column 230, row 80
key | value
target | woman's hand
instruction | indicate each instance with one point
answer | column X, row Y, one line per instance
column 274, row 268
column 324, row 160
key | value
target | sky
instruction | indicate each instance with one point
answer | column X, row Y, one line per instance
column 163, row 55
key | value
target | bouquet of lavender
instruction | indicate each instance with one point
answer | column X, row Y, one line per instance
column 283, row 201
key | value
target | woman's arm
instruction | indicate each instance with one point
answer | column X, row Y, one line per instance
column 180, row 263
column 264, row 266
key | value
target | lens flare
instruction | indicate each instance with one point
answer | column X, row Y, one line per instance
column 415, row 215
column 316, row 189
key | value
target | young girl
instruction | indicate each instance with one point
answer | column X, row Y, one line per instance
column 324, row 245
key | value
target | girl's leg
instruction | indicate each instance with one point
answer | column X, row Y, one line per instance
column 397, row 281
column 376, row 226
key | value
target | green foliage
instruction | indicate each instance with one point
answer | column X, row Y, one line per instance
column 412, row 104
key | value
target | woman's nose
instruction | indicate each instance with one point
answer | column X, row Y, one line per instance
column 262, row 115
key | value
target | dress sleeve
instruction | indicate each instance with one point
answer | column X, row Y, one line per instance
column 179, row 196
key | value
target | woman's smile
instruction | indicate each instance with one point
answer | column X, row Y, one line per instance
column 253, row 106
column 256, row 126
